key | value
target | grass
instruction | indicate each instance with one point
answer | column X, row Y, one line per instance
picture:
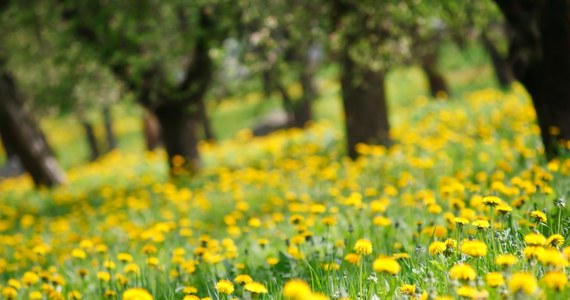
column 288, row 210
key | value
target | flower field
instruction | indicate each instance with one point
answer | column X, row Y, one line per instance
column 462, row 206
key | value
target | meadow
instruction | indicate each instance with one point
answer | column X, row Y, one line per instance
column 461, row 206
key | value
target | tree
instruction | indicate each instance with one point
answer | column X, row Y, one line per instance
column 19, row 130
column 539, row 53
column 142, row 50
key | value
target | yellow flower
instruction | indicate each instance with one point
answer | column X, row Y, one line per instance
column 556, row 280
column 74, row 295
column 296, row 289
column 381, row 221
column 36, row 295
column 272, row 261
column 492, row 201
column 352, row 258
column 30, row 278
column 481, row 224
column 191, row 297
column 103, row 276
column 535, row 239
column 225, row 287
column 504, row 208
column 466, row 291
column 190, row 290
column 460, row 221
column 494, row 279
column 331, row 266
column 538, row 216
column 78, row 253
column 523, row 283
column 533, row 252
column 137, row 294
column 408, row 289
column 243, row 279
column 474, row 248
column 9, row 292
column 125, row 257
column 363, row 247
column 552, row 257
column 437, row 248
column 505, row 260
column 256, row 288
column 462, row 272
column 387, row 265
column 555, row 240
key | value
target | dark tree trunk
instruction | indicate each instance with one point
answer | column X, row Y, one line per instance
column 303, row 112
column 109, row 133
column 179, row 131
column 539, row 53
column 151, row 130
column 288, row 104
column 20, row 129
column 91, row 140
column 12, row 166
column 437, row 83
column 500, row 65
column 365, row 109
column 204, row 118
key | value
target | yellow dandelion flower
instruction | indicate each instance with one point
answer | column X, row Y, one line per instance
column 256, row 288
column 505, row 260
column 76, row 295
column 225, row 287
column 190, row 290
column 191, row 297
column 552, row 257
column 331, row 266
column 538, row 216
column 78, row 254
column 352, row 258
column 9, row 292
column 125, row 257
column 272, row 261
column 466, row 291
column 492, row 201
column 363, row 247
column 535, row 239
column 385, row 264
column 481, row 224
column 103, row 276
column 137, row 294
column 474, row 248
column 437, row 248
column 408, row 289
column 30, row 278
column 381, row 221
column 522, row 282
column 555, row 240
column 296, row 289
column 504, row 208
column 460, row 221
column 462, row 272
column 243, row 279
column 494, row 279
column 556, row 280
column 533, row 252
column 36, row 295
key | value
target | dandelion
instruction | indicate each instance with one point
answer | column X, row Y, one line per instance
column 256, row 288
column 408, row 289
column 463, row 272
column 504, row 208
column 352, row 258
column 296, row 289
column 137, row 294
column 78, row 254
column 385, row 264
column 533, row 252
column 190, row 290
column 556, row 280
column 437, row 248
column 363, row 247
column 494, row 279
column 9, row 292
column 538, row 216
column 103, row 276
column 481, row 224
column 460, row 221
column 535, row 239
column 30, row 278
column 524, row 283
column 555, row 240
column 125, row 257
column 466, row 291
column 76, row 295
column 225, row 287
column 491, row 201
column 191, row 297
column 474, row 248
column 505, row 260
column 36, row 295
column 243, row 279
column 552, row 257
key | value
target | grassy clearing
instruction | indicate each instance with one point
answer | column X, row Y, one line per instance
column 287, row 210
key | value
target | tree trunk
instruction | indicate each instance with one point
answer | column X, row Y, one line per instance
column 437, row 83
column 109, row 133
column 365, row 109
column 91, row 140
column 500, row 64
column 288, row 104
column 179, row 131
column 303, row 112
column 19, row 128
column 12, row 166
column 539, row 52
column 151, row 129
column 203, row 114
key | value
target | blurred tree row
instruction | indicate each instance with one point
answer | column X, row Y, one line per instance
column 81, row 57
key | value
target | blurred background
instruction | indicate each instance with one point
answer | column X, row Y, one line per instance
column 82, row 78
